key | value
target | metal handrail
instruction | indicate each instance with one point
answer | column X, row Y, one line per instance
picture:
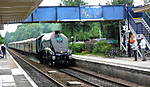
column 146, row 24
column 146, row 18
column 132, row 28
column 124, row 47
column 134, row 33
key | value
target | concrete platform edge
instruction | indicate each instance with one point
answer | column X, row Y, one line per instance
column 126, row 73
column 25, row 74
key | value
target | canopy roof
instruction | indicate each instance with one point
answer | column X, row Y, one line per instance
column 145, row 8
column 16, row 10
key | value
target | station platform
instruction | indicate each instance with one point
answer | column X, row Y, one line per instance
column 127, row 62
column 125, row 69
column 12, row 75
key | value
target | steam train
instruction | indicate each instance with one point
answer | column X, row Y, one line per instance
column 51, row 48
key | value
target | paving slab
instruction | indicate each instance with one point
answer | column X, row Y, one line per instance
column 12, row 75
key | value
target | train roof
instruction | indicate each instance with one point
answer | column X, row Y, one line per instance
column 48, row 36
column 45, row 36
column 23, row 41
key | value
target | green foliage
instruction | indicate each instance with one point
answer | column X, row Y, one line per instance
column 77, row 47
column 89, row 45
column 110, row 29
column 123, row 2
column 102, row 47
column 1, row 40
column 73, row 2
column 80, row 30
column 26, row 31
column 8, row 37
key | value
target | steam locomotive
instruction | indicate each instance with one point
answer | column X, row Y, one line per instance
column 51, row 48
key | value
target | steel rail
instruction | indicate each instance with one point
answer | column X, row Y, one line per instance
column 50, row 78
column 117, row 82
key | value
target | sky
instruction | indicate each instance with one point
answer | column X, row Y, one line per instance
column 13, row 27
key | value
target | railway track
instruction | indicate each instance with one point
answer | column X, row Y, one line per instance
column 53, row 77
column 98, row 80
column 91, row 78
column 61, row 76
column 35, row 72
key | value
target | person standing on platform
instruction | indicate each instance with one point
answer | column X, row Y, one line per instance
column 3, row 49
column 143, row 46
column 134, row 46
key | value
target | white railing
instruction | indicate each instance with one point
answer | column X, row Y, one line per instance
column 134, row 33
column 146, row 25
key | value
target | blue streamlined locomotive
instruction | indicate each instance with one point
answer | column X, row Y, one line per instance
column 51, row 48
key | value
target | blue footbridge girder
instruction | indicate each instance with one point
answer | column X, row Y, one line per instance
column 76, row 13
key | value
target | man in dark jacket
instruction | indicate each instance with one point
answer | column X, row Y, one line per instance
column 3, row 49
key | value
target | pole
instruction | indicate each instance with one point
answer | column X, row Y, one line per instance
column 120, row 41
column 129, row 47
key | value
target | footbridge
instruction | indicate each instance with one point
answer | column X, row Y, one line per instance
column 77, row 13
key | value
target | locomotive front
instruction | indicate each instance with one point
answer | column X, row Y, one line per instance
column 56, row 45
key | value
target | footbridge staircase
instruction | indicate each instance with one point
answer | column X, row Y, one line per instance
column 139, row 23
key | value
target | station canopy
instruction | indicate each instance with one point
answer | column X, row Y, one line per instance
column 16, row 10
column 145, row 8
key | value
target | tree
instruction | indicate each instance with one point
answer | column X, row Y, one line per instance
column 123, row 2
column 1, row 40
column 33, row 30
column 73, row 2
column 80, row 30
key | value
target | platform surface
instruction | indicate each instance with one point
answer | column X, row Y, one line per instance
column 12, row 75
column 127, row 62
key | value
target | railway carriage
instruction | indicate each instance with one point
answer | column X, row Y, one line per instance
column 51, row 48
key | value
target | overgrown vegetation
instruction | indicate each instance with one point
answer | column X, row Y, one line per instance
column 91, row 47
column 77, row 47
column 101, row 47
column 123, row 2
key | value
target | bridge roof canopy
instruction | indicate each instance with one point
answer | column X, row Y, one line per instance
column 145, row 8
column 16, row 10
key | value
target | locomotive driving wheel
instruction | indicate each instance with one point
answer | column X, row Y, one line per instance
column 50, row 61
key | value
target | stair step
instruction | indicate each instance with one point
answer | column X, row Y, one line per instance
column 138, row 20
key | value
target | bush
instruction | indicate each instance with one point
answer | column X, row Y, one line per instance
column 77, row 47
column 89, row 45
column 102, row 47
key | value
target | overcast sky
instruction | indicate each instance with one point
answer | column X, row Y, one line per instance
column 13, row 27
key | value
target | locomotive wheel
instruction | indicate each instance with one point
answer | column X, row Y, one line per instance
column 51, row 63
column 41, row 60
column 44, row 58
